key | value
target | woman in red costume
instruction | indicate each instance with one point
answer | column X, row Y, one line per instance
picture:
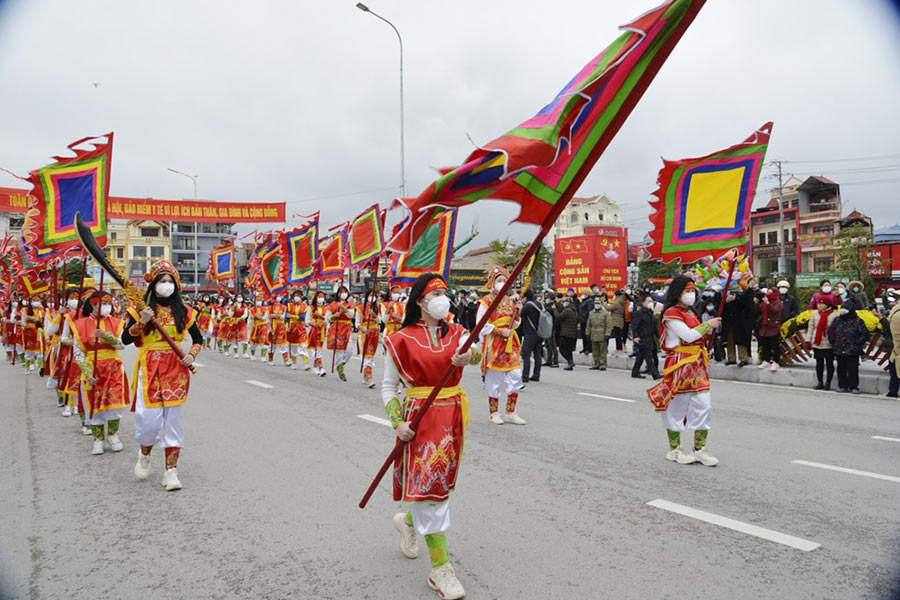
column 367, row 329
column 315, row 321
column 340, row 316
column 426, row 471
column 297, row 335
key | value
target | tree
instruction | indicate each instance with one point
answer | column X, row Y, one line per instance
column 73, row 271
column 507, row 255
column 653, row 269
column 851, row 252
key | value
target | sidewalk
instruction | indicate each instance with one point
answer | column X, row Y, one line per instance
column 872, row 379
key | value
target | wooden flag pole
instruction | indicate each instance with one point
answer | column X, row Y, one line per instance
column 93, row 399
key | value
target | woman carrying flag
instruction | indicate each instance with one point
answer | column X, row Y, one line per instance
column 160, row 382
column 33, row 333
column 278, row 333
column 315, row 319
column 340, row 316
column 259, row 333
column 682, row 397
column 238, row 315
column 501, row 365
column 418, row 355
column 204, row 319
column 367, row 329
column 297, row 310
column 104, row 386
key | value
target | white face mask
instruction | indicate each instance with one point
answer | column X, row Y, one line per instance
column 259, row 302
column 239, row 300
column 320, row 300
column 36, row 304
column 105, row 310
column 395, row 296
column 783, row 290
column 498, row 285
column 165, row 289
column 439, row 307
column 343, row 295
column 71, row 304
column 15, row 303
column 826, row 288
column 689, row 298
column 297, row 299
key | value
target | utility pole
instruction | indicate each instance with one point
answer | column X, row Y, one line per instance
column 782, row 263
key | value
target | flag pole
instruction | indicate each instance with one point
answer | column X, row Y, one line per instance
column 64, row 380
column 96, row 345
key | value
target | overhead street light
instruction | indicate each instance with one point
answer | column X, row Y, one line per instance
column 196, row 255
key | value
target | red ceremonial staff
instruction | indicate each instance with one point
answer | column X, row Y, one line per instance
column 93, row 400
column 61, row 384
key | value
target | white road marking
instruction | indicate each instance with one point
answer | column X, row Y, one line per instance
column 378, row 420
column 355, row 358
column 887, row 439
column 761, row 532
column 605, row 397
column 846, row 470
column 264, row 386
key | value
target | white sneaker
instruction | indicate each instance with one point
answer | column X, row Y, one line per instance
column 98, row 447
column 774, row 367
column 142, row 468
column 115, row 444
column 251, row 357
column 444, row 580
column 496, row 419
column 85, row 430
column 765, row 365
column 680, row 457
column 289, row 365
column 246, row 355
column 51, row 383
column 705, row 457
column 170, row 480
column 67, row 411
column 409, row 543
column 226, row 353
column 372, row 384
column 32, row 367
column 294, row 366
column 514, row 418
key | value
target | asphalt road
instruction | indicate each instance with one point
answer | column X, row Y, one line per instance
column 559, row 508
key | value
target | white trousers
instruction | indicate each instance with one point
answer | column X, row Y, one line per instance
column 494, row 379
column 297, row 349
column 33, row 355
column 369, row 362
column 102, row 416
column 696, row 407
column 154, row 425
column 341, row 356
column 430, row 518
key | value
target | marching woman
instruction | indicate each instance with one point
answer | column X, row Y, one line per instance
column 501, row 365
column 297, row 310
column 61, row 352
column 367, row 328
column 683, row 394
column 219, row 314
column 160, row 382
column 104, row 388
column 392, row 312
column 238, row 315
column 340, row 316
column 259, row 333
column 70, row 375
column 417, row 356
column 15, row 349
column 33, row 333
column 204, row 319
column 278, row 333
column 315, row 320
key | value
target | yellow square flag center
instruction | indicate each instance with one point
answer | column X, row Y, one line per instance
column 712, row 201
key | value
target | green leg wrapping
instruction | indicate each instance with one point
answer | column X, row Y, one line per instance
column 674, row 439
column 409, row 518
column 97, row 432
column 437, row 549
column 700, row 439
column 112, row 426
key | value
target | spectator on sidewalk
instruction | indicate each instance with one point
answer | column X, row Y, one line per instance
column 817, row 339
column 847, row 334
column 551, row 344
column 584, row 310
column 737, row 325
column 565, row 312
column 824, row 290
column 599, row 328
column 531, row 343
column 892, row 339
column 642, row 328
column 858, row 292
column 617, row 311
column 790, row 308
column 770, row 330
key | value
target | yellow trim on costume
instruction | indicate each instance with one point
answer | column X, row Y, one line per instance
column 694, row 353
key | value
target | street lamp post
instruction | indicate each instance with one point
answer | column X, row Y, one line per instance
column 196, row 255
column 366, row 9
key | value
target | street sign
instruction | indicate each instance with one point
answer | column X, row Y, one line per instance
column 807, row 280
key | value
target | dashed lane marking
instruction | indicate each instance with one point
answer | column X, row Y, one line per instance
column 374, row 419
column 264, row 386
column 740, row 526
column 606, row 397
column 846, row 470
column 886, row 439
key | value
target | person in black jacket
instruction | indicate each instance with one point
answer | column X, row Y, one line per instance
column 737, row 325
column 584, row 310
column 552, row 343
column 790, row 308
column 531, row 343
column 642, row 326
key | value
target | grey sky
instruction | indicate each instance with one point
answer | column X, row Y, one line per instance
column 296, row 100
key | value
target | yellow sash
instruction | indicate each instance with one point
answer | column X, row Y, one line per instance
column 693, row 355
column 102, row 354
column 447, row 392
column 142, row 353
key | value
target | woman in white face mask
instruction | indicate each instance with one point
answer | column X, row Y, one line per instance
column 419, row 353
column 160, row 381
column 238, row 328
column 104, row 385
column 340, row 317
column 392, row 312
column 32, row 334
column 367, row 319
column 297, row 335
column 683, row 394
column 315, row 338
column 502, row 366
column 61, row 350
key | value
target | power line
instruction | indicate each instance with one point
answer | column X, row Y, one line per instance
column 834, row 160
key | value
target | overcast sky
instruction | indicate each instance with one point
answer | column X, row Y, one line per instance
column 298, row 101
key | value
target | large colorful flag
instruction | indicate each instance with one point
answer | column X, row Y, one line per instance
column 542, row 162
column 221, row 262
column 703, row 204
column 366, row 238
column 301, row 247
column 270, row 270
column 333, row 260
column 68, row 186
column 431, row 253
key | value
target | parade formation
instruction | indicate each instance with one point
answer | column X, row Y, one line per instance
column 377, row 288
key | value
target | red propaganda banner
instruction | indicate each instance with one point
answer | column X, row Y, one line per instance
column 878, row 260
column 188, row 211
column 586, row 259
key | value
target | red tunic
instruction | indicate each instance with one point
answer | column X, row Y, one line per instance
column 33, row 330
column 684, row 372
column 237, row 331
column 259, row 335
column 277, row 326
column 316, row 324
column 164, row 380
column 501, row 353
column 204, row 316
column 393, row 310
column 341, row 325
column 368, row 329
column 112, row 384
column 427, row 468
column 296, row 312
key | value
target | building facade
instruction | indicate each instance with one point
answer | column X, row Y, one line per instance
column 145, row 243
column 185, row 254
column 596, row 211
